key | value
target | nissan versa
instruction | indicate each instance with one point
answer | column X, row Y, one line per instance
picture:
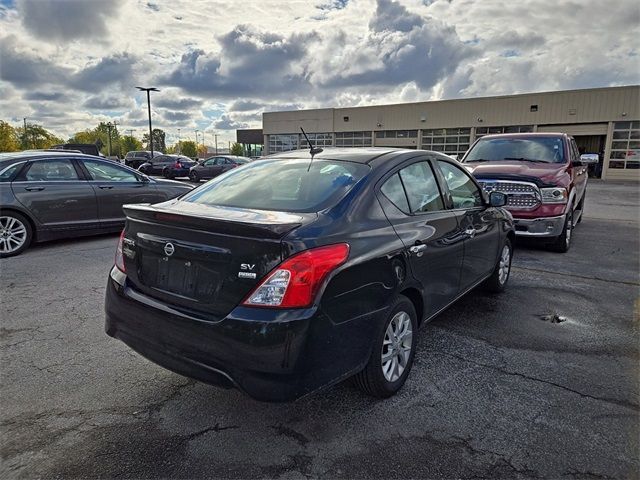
column 323, row 272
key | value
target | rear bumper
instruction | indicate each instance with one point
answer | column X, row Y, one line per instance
column 272, row 355
column 543, row 227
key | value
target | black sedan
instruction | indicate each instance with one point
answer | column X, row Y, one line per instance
column 53, row 194
column 325, row 271
column 214, row 166
column 169, row 166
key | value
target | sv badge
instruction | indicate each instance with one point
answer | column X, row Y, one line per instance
column 247, row 270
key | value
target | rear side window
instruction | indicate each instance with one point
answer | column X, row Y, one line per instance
column 281, row 185
column 394, row 191
column 8, row 173
column 51, row 171
column 422, row 189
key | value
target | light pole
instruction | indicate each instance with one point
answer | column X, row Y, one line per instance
column 149, row 89
column 215, row 136
column 179, row 146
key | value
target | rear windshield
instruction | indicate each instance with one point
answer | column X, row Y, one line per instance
column 540, row 149
column 282, row 185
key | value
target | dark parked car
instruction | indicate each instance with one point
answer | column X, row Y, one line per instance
column 87, row 148
column 136, row 158
column 214, row 166
column 162, row 164
column 46, row 195
column 324, row 271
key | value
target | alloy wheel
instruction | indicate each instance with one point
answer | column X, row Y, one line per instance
column 13, row 234
column 505, row 265
column 396, row 346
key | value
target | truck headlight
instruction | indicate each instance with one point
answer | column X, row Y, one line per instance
column 554, row 195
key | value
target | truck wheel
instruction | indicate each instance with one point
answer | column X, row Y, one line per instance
column 393, row 351
column 500, row 276
column 563, row 242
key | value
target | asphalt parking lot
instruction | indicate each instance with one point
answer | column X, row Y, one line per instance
column 496, row 391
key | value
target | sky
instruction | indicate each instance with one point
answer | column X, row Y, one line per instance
column 68, row 64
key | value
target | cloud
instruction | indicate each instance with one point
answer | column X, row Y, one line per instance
column 107, row 103
column 250, row 62
column 227, row 123
column 64, row 20
column 177, row 103
column 44, row 96
column 399, row 47
column 245, row 106
column 173, row 116
column 110, row 70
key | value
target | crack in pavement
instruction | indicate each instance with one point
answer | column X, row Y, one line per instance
column 575, row 275
column 616, row 401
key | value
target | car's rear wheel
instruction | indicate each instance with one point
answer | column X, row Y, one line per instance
column 562, row 243
column 500, row 276
column 194, row 177
column 166, row 173
column 393, row 351
column 15, row 234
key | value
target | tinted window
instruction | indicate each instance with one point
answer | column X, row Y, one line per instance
column 10, row 171
column 288, row 186
column 545, row 149
column 210, row 162
column 51, row 171
column 422, row 188
column 464, row 192
column 105, row 172
column 394, row 191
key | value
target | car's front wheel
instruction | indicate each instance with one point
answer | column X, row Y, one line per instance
column 500, row 276
column 15, row 234
column 193, row 176
column 393, row 351
column 166, row 173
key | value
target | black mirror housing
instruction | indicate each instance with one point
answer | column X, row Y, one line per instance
column 498, row 199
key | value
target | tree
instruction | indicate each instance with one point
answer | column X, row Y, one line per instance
column 236, row 149
column 188, row 148
column 129, row 143
column 158, row 140
column 9, row 141
column 202, row 151
column 37, row 137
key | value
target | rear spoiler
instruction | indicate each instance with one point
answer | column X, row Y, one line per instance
column 216, row 219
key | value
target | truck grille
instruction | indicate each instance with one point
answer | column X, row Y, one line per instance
column 521, row 195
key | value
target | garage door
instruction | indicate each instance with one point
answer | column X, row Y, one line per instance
column 578, row 129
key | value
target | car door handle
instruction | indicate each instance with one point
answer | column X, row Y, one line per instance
column 105, row 187
column 470, row 231
column 34, row 189
column 418, row 249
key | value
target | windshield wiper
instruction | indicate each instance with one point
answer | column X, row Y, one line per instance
column 522, row 159
column 477, row 160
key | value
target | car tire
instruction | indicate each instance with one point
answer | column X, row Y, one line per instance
column 383, row 379
column 16, row 234
column 166, row 173
column 497, row 282
column 194, row 177
column 562, row 244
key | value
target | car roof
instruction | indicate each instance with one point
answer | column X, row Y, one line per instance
column 348, row 154
column 525, row 135
column 36, row 154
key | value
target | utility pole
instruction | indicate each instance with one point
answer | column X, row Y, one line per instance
column 215, row 136
column 131, row 130
column 149, row 89
column 24, row 136
column 179, row 146
column 109, row 127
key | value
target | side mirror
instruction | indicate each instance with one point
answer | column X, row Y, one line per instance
column 589, row 158
column 144, row 179
column 498, row 199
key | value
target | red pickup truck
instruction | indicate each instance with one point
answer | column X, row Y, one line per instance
column 544, row 176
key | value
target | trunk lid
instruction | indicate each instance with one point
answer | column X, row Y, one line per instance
column 203, row 258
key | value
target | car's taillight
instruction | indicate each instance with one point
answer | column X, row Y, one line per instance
column 296, row 281
column 119, row 255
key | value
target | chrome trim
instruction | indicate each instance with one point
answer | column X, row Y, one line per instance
column 537, row 227
column 535, row 193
